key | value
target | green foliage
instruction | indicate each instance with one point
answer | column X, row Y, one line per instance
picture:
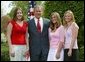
column 23, row 4
column 78, row 9
column 11, row 13
column 38, row 2
column 4, row 22
column 50, row 6
column 81, row 54
column 4, row 52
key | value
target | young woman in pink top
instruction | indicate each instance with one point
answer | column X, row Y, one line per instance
column 71, row 33
column 56, row 38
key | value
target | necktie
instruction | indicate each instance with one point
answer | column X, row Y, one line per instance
column 38, row 26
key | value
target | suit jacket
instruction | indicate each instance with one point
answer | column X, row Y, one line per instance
column 38, row 41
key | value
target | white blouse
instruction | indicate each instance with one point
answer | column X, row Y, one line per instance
column 68, row 37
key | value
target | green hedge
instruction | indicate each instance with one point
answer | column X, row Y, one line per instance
column 78, row 9
column 60, row 6
column 4, row 52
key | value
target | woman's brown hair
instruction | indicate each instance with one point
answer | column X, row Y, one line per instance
column 15, row 13
column 58, row 23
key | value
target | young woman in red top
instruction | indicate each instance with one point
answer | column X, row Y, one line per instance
column 17, row 36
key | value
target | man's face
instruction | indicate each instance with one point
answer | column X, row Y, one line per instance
column 37, row 12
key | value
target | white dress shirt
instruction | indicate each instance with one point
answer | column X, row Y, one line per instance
column 40, row 21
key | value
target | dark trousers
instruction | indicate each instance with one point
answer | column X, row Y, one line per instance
column 39, row 56
column 74, row 56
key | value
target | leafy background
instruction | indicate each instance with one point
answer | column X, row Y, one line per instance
column 49, row 6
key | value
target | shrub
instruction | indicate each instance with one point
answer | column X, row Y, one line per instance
column 4, row 52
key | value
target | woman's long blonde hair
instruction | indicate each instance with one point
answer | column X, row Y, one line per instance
column 72, row 15
column 58, row 23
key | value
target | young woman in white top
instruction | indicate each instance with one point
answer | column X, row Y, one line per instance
column 71, row 33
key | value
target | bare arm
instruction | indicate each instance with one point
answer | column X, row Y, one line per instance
column 27, row 41
column 61, row 43
column 60, row 47
column 74, row 36
column 27, row 54
column 9, row 30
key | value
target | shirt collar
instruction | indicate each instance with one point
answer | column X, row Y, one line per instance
column 37, row 19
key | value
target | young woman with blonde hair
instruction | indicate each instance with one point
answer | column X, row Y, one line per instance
column 56, row 38
column 71, row 33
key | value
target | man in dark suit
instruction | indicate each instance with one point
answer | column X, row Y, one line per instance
column 38, row 36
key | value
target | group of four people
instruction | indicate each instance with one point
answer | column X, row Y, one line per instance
column 49, row 40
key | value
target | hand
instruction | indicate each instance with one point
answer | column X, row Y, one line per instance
column 27, row 54
column 12, row 54
column 69, row 52
column 58, row 55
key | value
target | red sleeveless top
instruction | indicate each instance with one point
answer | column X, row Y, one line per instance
column 18, row 35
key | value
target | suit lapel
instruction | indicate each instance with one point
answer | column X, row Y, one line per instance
column 43, row 25
column 34, row 25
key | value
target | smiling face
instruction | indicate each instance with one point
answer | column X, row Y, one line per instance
column 19, row 14
column 53, row 19
column 68, row 17
column 37, row 11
